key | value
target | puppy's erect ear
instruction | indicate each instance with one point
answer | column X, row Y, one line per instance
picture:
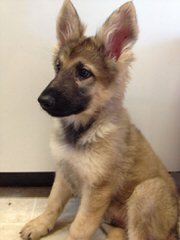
column 119, row 31
column 68, row 25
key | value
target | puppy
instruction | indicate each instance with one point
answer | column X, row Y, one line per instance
column 102, row 157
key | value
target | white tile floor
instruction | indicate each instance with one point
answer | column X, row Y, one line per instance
column 19, row 205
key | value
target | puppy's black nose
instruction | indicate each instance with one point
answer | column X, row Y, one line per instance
column 47, row 101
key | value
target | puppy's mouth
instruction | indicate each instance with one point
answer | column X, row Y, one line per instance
column 63, row 112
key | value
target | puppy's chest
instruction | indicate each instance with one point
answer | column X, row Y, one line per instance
column 80, row 166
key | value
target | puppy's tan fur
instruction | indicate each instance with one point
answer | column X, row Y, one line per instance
column 112, row 167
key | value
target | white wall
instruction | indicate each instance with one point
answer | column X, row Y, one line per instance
column 26, row 39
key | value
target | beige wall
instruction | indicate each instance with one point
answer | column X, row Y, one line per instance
column 26, row 38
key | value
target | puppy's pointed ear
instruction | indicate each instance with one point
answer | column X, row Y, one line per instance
column 68, row 24
column 119, row 31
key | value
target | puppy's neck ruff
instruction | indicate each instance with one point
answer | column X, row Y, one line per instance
column 87, row 129
column 72, row 132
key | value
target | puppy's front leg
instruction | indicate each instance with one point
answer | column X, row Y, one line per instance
column 41, row 225
column 94, row 203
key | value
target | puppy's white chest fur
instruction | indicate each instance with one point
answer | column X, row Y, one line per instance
column 80, row 165
column 77, row 165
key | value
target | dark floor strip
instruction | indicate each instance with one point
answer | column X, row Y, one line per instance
column 29, row 179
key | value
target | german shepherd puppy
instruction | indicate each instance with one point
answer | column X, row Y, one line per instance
column 102, row 157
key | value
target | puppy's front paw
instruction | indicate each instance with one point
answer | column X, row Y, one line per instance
column 36, row 228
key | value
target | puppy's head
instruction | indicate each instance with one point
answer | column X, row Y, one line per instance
column 86, row 68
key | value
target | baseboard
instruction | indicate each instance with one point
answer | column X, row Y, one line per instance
column 26, row 179
column 36, row 179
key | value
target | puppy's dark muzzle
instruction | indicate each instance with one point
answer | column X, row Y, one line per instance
column 55, row 103
column 62, row 103
column 47, row 102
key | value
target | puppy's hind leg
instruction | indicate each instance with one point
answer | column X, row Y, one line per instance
column 152, row 211
column 41, row 225
column 113, row 233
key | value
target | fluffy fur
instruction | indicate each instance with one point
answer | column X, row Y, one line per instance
column 102, row 157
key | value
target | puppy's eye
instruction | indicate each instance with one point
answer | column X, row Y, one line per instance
column 83, row 73
column 57, row 66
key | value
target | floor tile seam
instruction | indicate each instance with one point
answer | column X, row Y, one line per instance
column 34, row 207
